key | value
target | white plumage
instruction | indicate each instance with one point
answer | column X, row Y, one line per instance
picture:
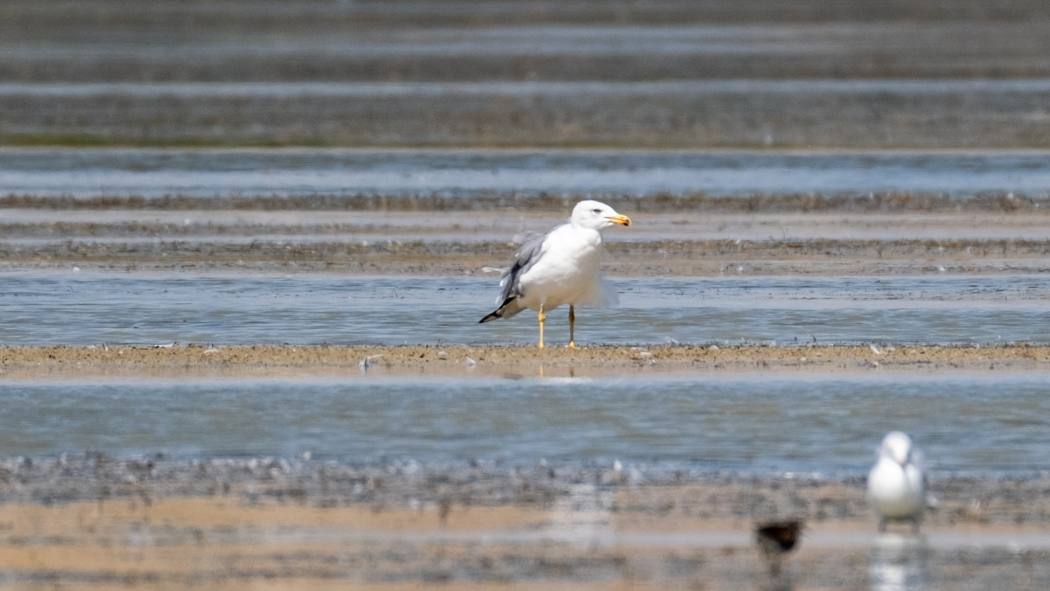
column 897, row 485
column 561, row 267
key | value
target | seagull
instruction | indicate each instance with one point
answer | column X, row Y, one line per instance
column 897, row 485
column 558, row 268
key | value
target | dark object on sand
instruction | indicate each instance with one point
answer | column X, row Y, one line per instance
column 776, row 538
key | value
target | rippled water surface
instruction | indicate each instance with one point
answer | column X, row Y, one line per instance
column 986, row 425
column 206, row 173
column 760, row 423
column 83, row 308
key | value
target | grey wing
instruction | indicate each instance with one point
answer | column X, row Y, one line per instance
column 530, row 251
column 526, row 256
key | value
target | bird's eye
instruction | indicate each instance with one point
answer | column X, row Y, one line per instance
column 596, row 210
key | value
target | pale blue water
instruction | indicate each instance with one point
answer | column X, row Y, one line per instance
column 286, row 172
column 994, row 424
column 990, row 425
column 89, row 308
column 85, row 308
column 986, row 425
column 518, row 88
column 532, row 40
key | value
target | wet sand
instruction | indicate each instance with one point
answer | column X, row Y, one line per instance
column 91, row 522
column 656, row 259
column 441, row 242
column 515, row 361
column 665, row 114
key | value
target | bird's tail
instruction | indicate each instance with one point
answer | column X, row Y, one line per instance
column 507, row 309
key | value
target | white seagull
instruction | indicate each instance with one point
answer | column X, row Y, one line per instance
column 897, row 485
column 560, row 267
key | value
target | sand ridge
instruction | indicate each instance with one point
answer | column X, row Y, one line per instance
column 175, row 360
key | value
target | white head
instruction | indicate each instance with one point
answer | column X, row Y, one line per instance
column 596, row 215
column 896, row 446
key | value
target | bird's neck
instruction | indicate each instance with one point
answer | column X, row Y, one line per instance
column 596, row 233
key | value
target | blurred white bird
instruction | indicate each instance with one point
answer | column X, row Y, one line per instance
column 897, row 485
column 560, row 267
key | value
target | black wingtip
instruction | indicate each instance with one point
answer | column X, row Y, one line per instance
column 499, row 311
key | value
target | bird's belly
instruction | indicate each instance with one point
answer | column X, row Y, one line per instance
column 894, row 493
column 562, row 282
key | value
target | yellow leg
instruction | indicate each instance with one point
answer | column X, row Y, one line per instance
column 572, row 326
column 541, row 318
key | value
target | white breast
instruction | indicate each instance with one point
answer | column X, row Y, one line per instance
column 896, row 492
column 567, row 271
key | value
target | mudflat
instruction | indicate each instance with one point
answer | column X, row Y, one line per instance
column 987, row 240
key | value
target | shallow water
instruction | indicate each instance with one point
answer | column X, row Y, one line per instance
column 982, row 425
column 441, row 89
column 503, row 41
column 288, row 172
column 84, row 308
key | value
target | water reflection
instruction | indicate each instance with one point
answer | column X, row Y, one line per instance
column 583, row 516
column 897, row 562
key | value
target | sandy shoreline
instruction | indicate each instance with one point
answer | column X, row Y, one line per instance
column 508, row 361
column 92, row 522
